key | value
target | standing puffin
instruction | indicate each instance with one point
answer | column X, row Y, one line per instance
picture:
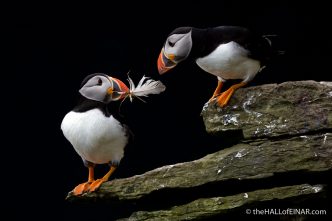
column 94, row 133
column 228, row 52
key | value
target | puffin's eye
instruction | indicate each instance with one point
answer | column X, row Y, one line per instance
column 171, row 43
column 100, row 82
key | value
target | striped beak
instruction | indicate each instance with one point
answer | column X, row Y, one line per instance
column 165, row 63
column 118, row 89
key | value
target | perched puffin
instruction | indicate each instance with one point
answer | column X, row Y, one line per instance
column 95, row 134
column 228, row 52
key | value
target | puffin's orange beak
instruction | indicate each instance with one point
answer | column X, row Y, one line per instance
column 119, row 89
column 164, row 63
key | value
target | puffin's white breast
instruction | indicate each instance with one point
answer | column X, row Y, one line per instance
column 95, row 137
column 229, row 61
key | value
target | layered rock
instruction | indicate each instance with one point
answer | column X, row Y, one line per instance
column 284, row 156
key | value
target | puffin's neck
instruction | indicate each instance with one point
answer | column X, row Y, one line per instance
column 198, row 38
column 85, row 104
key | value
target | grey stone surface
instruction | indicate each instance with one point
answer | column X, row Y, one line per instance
column 272, row 110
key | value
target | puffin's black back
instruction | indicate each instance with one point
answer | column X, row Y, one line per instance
column 207, row 40
column 225, row 34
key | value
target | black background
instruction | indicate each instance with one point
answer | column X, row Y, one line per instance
column 55, row 49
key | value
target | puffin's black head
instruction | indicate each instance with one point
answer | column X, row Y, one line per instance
column 176, row 49
column 102, row 88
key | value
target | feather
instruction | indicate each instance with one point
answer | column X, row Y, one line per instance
column 145, row 87
column 131, row 84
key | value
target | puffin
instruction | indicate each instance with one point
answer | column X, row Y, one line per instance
column 227, row 52
column 96, row 135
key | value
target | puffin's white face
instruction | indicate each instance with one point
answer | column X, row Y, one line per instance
column 176, row 49
column 104, row 89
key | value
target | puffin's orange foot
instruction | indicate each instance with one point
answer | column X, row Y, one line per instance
column 217, row 91
column 223, row 99
column 81, row 188
column 96, row 184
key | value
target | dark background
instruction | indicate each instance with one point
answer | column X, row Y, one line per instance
column 55, row 49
